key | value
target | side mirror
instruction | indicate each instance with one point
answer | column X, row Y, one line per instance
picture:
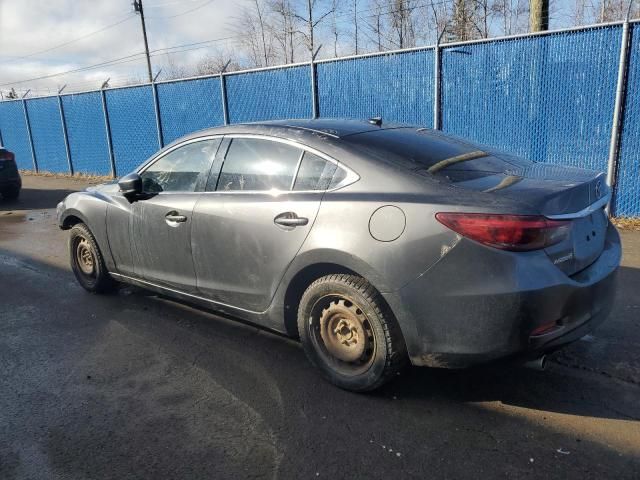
column 131, row 185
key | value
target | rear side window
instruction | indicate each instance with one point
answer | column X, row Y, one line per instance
column 315, row 173
column 258, row 165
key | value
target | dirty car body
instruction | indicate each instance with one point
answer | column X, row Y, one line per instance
column 479, row 255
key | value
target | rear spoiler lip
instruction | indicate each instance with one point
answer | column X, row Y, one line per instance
column 585, row 211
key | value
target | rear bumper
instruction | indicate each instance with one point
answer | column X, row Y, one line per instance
column 478, row 304
column 10, row 182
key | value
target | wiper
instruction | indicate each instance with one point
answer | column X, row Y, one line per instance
column 465, row 157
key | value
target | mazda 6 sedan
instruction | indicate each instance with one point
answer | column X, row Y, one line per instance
column 377, row 244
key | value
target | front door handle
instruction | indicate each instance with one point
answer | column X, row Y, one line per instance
column 175, row 217
column 290, row 219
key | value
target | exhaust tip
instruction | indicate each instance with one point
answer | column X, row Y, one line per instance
column 539, row 363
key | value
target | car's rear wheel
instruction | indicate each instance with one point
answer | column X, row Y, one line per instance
column 349, row 333
column 87, row 262
column 11, row 193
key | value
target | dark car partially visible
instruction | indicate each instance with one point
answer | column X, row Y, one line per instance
column 10, row 182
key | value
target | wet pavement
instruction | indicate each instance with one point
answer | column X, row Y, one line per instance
column 133, row 385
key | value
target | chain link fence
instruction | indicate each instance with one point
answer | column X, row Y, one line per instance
column 549, row 97
column 627, row 198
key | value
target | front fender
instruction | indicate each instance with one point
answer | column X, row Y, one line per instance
column 90, row 209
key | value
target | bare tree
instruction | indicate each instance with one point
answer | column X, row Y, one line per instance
column 482, row 16
column 335, row 31
column 355, row 25
column 401, row 22
column 376, row 23
column 311, row 21
column 214, row 62
column 285, row 26
column 173, row 70
column 255, row 34
column 463, row 23
column 614, row 10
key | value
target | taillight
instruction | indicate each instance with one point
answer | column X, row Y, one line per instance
column 507, row 232
column 6, row 155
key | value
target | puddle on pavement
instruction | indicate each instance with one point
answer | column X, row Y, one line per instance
column 7, row 222
column 10, row 220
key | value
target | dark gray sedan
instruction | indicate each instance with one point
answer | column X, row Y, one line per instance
column 376, row 244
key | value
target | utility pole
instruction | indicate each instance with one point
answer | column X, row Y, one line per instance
column 137, row 6
column 538, row 15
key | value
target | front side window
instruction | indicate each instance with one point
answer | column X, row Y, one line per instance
column 315, row 173
column 180, row 169
column 254, row 164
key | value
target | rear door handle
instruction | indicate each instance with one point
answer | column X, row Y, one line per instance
column 290, row 219
column 175, row 217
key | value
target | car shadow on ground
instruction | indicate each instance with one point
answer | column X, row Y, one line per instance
column 133, row 364
column 571, row 390
column 34, row 199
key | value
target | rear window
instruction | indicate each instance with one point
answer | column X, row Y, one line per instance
column 432, row 152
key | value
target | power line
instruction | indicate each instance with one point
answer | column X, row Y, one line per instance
column 171, row 3
column 76, row 70
column 184, row 13
column 128, row 17
column 213, row 40
column 182, row 48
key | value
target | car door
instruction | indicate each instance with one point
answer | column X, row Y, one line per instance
column 160, row 223
column 254, row 217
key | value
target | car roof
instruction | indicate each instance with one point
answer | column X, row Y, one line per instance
column 329, row 127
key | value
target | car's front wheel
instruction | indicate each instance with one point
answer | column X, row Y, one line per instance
column 349, row 333
column 87, row 262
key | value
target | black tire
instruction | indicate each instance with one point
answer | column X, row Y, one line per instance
column 11, row 193
column 87, row 262
column 328, row 316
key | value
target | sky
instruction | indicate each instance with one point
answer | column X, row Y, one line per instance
column 30, row 28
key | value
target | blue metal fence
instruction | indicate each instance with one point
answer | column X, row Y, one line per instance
column 547, row 97
column 13, row 128
column 398, row 87
column 188, row 106
column 132, row 119
column 269, row 95
column 627, row 199
column 46, row 131
column 86, row 130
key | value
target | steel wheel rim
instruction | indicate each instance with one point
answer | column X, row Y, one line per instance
column 343, row 334
column 85, row 259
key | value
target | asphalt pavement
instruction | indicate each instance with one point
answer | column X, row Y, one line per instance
column 133, row 385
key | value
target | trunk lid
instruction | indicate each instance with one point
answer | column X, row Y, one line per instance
column 557, row 192
column 560, row 193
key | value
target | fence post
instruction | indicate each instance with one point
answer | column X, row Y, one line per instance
column 156, row 109
column 614, row 145
column 436, row 87
column 108, row 132
column 65, row 135
column 26, row 119
column 223, row 94
column 314, row 91
column 314, row 85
